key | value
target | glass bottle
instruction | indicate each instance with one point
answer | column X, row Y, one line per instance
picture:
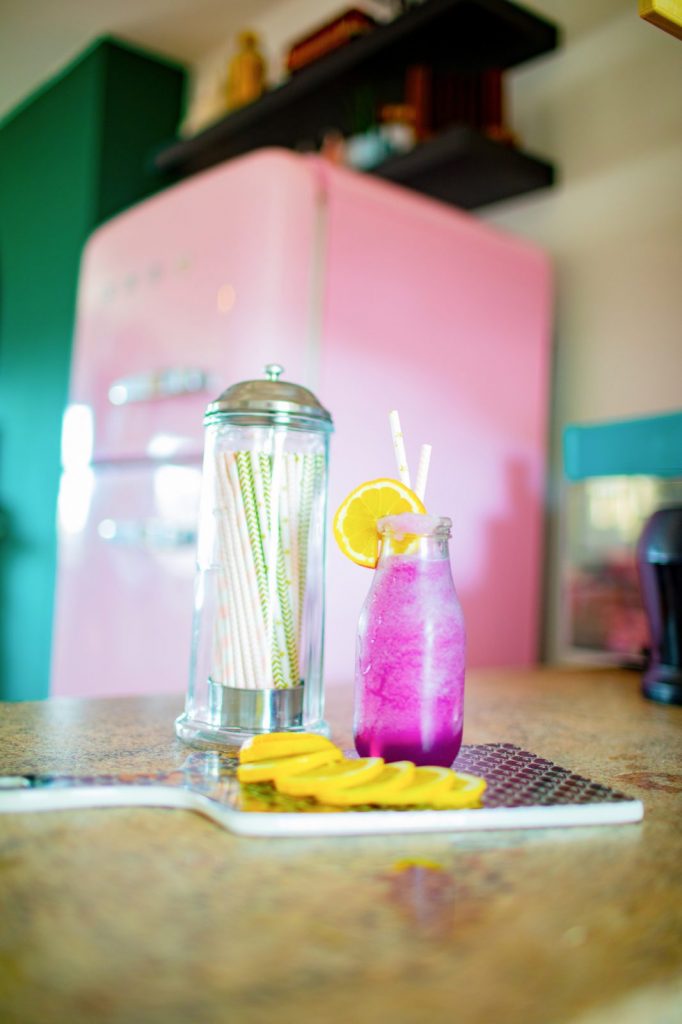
column 258, row 628
column 411, row 648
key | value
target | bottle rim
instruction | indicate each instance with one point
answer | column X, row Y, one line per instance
column 415, row 524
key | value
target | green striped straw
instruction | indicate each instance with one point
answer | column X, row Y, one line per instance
column 240, row 618
column 249, row 613
column 290, row 537
column 257, row 534
column 280, row 667
column 305, row 512
column 258, row 645
column 283, row 584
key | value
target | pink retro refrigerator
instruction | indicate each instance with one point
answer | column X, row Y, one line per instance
column 372, row 296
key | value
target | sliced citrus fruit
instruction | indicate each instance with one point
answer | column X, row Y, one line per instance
column 281, row 744
column 427, row 783
column 355, row 522
column 278, row 767
column 337, row 775
column 392, row 778
column 466, row 792
column 261, row 738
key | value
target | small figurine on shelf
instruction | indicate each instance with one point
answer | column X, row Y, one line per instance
column 366, row 150
column 397, row 126
column 330, row 36
column 493, row 114
column 333, row 146
column 419, row 96
column 246, row 72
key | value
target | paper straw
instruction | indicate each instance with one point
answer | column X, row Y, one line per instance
column 290, row 536
column 245, row 486
column 287, row 552
column 267, row 515
column 423, row 471
column 222, row 663
column 305, row 510
column 284, row 595
column 257, row 537
column 232, row 618
column 399, row 448
column 250, row 561
column 269, row 482
column 242, row 618
column 276, row 648
column 226, row 613
column 256, row 626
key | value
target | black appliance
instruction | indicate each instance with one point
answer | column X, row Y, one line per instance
column 659, row 561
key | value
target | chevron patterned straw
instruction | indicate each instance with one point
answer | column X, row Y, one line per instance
column 247, row 582
column 255, row 506
column 249, row 562
column 263, row 522
column 266, row 513
column 305, row 509
column 270, row 476
column 256, row 538
column 289, row 528
column 283, row 580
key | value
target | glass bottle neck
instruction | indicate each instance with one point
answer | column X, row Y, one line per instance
column 430, row 547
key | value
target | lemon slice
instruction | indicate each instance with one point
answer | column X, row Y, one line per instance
column 392, row 778
column 278, row 767
column 337, row 775
column 466, row 792
column 281, row 744
column 427, row 783
column 355, row 522
column 263, row 738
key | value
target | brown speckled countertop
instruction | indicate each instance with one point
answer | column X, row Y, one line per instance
column 146, row 916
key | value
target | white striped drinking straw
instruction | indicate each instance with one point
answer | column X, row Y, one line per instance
column 401, row 457
column 422, row 471
column 399, row 448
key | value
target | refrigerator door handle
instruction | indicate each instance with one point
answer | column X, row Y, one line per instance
column 147, row 533
column 156, row 384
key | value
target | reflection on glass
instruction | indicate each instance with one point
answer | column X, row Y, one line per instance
column 176, row 493
column 164, row 446
column 605, row 516
column 77, row 436
column 118, row 394
column 107, row 529
column 75, row 494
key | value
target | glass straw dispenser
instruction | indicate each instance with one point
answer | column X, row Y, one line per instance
column 257, row 639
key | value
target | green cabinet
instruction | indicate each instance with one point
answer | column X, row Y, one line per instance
column 73, row 155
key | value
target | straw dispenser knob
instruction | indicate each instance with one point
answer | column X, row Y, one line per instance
column 259, row 601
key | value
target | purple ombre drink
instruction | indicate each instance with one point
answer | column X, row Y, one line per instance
column 409, row 678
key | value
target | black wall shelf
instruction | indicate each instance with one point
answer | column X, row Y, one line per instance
column 463, row 167
column 459, row 165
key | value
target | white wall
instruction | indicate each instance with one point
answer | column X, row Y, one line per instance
column 607, row 108
column 280, row 24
